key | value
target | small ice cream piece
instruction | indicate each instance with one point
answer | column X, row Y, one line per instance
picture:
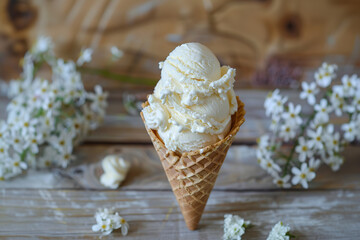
column 192, row 103
column 115, row 170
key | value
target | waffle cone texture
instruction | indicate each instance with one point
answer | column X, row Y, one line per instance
column 192, row 175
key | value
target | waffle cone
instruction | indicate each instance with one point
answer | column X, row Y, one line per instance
column 192, row 175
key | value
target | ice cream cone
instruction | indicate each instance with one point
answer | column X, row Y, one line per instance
column 192, row 175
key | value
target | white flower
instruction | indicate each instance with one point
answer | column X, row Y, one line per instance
column 3, row 88
column 349, row 85
column 349, row 131
column 309, row 92
column 99, row 99
column 46, row 125
column 275, row 123
column 304, row 149
column 302, row 175
column 274, row 103
column 2, row 172
column 356, row 120
column 107, row 220
column 50, row 156
column 62, row 143
column 65, row 156
column 279, row 232
column 71, row 95
column 264, row 142
column 15, row 106
column 51, row 106
column 4, row 147
column 322, row 111
column 270, row 99
column 356, row 100
column 76, row 125
column 316, row 138
column 116, row 53
column 64, row 74
column 263, row 154
column 103, row 226
column 292, row 114
column 16, row 165
column 234, row 227
column 16, row 87
column 270, row 166
column 332, row 140
column 91, row 118
column 42, row 45
column 85, row 56
column 43, row 89
column 330, row 68
column 27, row 125
column 17, row 142
column 337, row 100
column 115, row 170
column 3, row 131
column 314, row 164
column 287, row 131
column 278, row 106
column 334, row 162
column 282, row 182
column 32, row 142
column 325, row 74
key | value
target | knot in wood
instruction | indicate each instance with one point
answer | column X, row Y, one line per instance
column 21, row 13
column 290, row 25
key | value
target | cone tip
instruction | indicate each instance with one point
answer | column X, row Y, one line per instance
column 192, row 225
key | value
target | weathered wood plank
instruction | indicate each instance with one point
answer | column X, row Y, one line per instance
column 65, row 214
column 240, row 171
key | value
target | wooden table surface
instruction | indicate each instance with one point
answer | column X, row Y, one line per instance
column 60, row 203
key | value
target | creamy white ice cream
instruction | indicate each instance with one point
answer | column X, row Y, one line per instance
column 192, row 104
column 115, row 169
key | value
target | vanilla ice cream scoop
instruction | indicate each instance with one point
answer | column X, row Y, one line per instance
column 192, row 104
column 115, row 170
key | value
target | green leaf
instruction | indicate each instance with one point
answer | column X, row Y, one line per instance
column 122, row 78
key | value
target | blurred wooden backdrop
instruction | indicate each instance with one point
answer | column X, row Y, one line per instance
column 270, row 42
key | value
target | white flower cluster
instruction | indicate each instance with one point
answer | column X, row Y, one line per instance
column 314, row 138
column 234, row 227
column 280, row 232
column 46, row 118
column 107, row 220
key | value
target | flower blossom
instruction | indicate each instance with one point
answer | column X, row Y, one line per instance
column 107, row 220
column 302, row 175
column 279, row 232
column 234, row 227
column 309, row 92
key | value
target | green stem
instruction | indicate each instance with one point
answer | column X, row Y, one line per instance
column 290, row 235
column 23, row 155
column 302, row 131
column 37, row 66
column 122, row 78
column 282, row 155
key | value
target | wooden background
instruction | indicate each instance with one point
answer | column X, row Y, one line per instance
column 269, row 42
